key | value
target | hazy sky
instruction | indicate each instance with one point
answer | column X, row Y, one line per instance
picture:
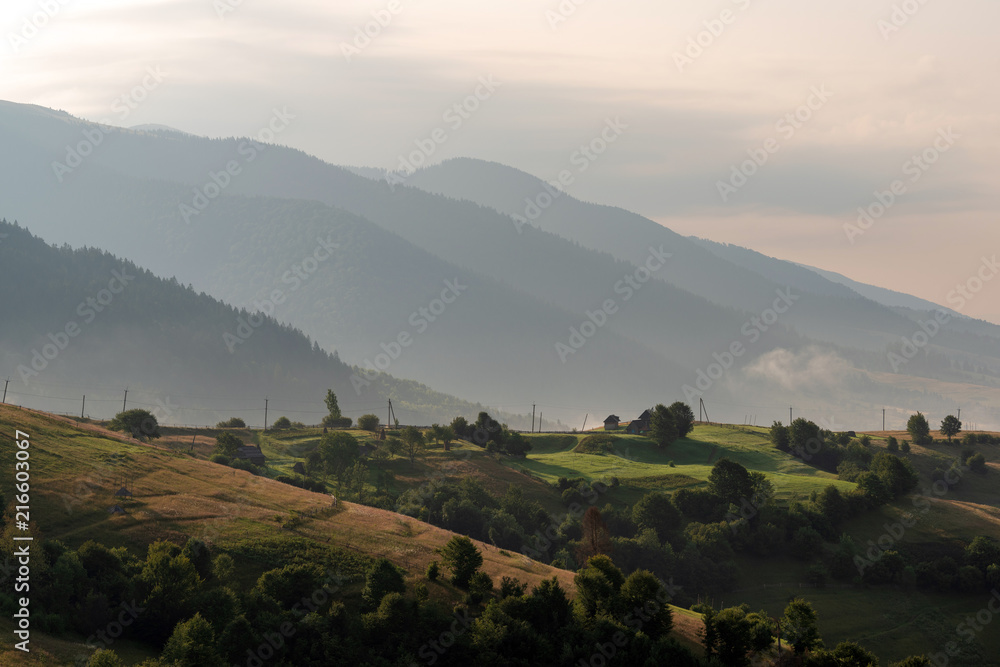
column 693, row 112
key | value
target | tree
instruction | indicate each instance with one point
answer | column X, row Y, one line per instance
column 461, row 427
column 654, row 510
column 683, row 418
column 382, row 578
column 447, row 437
column 140, row 424
column 799, row 626
column 480, row 587
column 804, row 436
column 227, row 444
column 731, row 481
column 281, row 423
column 192, row 644
column 977, row 463
column 331, row 404
column 780, row 437
column 645, row 597
column 339, row 452
column 919, row 429
column 368, row 422
column 413, row 442
column 462, row 558
column 596, row 539
column 950, row 427
column 662, row 427
column 234, row 422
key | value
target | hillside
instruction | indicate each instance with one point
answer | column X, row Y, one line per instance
column 167, row 343
column 75, row 469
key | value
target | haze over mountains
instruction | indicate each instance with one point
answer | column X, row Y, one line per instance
column 452, row 279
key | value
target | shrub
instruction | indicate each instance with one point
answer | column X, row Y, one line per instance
column 232, row 422
column 433, row 570
column 905, row 446
column 221, row 459
column 977, row 463
column 337, row 422
column 281, row 423
column 368, row 422
column 891, row 444
column 865, row 440
column 480, row 587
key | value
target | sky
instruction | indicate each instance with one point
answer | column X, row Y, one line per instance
column 764, row 123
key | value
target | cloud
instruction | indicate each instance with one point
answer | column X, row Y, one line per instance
column 799, row 370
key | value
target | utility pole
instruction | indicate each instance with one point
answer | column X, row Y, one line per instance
column 533, row 418
column 125, row 399
column 960, row 414
column 388, row 415
column 584, row 422
column 539, row 422
column 5, row 383
column 84, row 406
column 265, row 412
column 789, row 415
column 883, row 419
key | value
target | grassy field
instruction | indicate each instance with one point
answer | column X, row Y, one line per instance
column 77, row 467
column 642, row 467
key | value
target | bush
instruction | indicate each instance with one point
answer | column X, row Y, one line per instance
column 433, row 570
column 140, row 424
column 337, row 422
column 977, row 463
column 221, row 459
column 480, row 587
column 891, row 444
column 865, row 440
column 232, row 422
column 281, row 424
column 905, row 446
column 368, row 422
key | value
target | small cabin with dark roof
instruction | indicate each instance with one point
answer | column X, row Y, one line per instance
column 252, row 454
column 641, row 425
column 611, row 423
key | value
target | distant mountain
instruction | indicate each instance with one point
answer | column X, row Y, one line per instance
column 84, row 322
column 886, row 297
column 578, row 306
